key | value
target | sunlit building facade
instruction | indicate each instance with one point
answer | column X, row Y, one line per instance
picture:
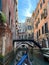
column 21, row 30
column 29, row 27
column 41, row 23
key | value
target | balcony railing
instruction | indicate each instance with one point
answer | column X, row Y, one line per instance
column 45, row 15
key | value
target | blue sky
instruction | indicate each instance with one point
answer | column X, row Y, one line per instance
column 25, row 9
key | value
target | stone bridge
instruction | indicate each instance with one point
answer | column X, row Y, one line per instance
column 18, row 45
column 27, row 43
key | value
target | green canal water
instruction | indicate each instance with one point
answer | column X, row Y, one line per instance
column 37, row 59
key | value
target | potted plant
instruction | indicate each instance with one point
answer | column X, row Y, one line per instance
column 2, row 18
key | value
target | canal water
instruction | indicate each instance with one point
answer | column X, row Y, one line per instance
column 37, row 58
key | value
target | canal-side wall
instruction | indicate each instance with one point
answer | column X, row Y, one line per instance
column 7, row 59
column 5, row 48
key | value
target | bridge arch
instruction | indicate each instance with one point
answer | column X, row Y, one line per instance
column 20, row 45
column 27, row 44
column 26, row 40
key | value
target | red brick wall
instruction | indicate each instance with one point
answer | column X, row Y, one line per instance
column 8, row 5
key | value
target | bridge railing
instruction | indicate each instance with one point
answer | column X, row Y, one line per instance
column 21, row 40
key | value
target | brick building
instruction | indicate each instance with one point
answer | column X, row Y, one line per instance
column 41, row 23
column 6, row 30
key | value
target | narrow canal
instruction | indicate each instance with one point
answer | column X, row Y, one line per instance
column 36, row 58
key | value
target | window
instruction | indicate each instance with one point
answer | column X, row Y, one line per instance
column 20, row 30
column 45, row 13
column 43, row 1
column 25, row 36
column 32, row 35
column 22, row 36
column 19, row 37
column 43, row 43
column 42, row 15
column 11, row 24
column 16, row 21
column 46, row 27
column 29, row 35
column 28, row 20
column 29, row 27
column 38, row 20
column 42, row 29
column 40, row 5
column 9, row 17
column 16, row 9
column 38, row 11
column 48, row 42
column 16, row 25
column 0, row 5
column 39, row 32
column 37, row 23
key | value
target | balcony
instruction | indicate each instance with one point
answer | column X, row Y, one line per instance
column 45, row 15
column 37, row 24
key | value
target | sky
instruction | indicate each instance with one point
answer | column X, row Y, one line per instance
column 25, row 9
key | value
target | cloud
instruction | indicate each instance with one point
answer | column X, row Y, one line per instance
column 31, row 7
column 27, row 11
column 22, row 19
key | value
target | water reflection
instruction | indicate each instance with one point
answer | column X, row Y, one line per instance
column 36, row 58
